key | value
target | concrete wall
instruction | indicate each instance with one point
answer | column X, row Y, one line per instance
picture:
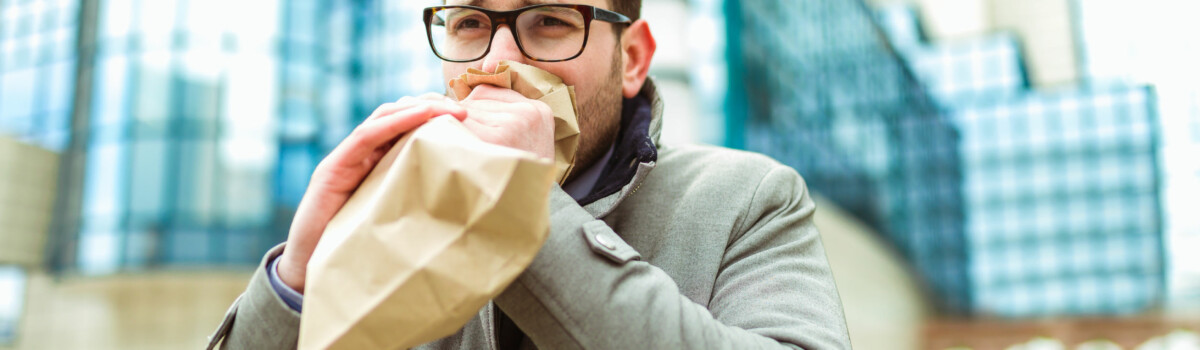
column 1046, row 28
column 884, row 304
column 28, row 177
column 159, row 310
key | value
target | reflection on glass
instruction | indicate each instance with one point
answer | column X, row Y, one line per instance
column 12, row 299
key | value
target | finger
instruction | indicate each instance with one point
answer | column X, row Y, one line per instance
column 433, row 96
column 428, row 96
column 488, row 117
column 373, row 134
column 395, row 124
column 389, row 108
column 542, row 108
column 476, row 126
column 405, row 103
column 489, row 92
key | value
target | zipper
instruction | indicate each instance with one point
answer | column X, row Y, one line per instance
column 490, row 324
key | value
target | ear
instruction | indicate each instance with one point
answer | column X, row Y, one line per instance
column 637, row 45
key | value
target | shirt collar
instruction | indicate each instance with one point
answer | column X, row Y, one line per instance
column 583, row 184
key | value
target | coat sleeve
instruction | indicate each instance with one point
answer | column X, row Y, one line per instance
column 774, row 288
column 259, row 319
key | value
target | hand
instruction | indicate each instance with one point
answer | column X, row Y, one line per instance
column 340, row 173
column 504, row 117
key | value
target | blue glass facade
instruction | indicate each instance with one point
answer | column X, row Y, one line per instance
column 37, row 70
column 985, row 69
column 1008, row 201
column 1062, row 202
column 394, row 59
column 201, row 125
column 826, row 94
column 1061, row 188
column 1150, row 43
column 187, row 113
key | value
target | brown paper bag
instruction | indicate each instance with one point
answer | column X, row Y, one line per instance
column 439, row 227
column 442, row 224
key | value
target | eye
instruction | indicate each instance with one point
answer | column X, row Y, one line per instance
column 469, row 23
column 547, row 21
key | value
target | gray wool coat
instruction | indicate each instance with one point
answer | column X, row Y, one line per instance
column 702, row 248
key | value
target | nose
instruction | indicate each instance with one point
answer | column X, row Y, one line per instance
column 504, row 47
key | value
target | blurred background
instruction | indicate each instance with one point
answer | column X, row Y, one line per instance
column 991, row 174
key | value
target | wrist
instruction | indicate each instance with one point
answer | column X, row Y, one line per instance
column 289, row 273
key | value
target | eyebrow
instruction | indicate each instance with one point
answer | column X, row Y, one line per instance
column 479, row 3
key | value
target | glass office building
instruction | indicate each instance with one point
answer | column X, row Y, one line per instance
column 1007, row 201
column 196, row 127
column 1061, row 188
column 37, row 82
column 1138, row 43
column 210, row 126
column 37, row 70
column 826, row 94
column 189, row 110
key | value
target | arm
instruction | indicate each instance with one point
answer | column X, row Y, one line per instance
column 291, row 297
column 259, row 319
column 774, row 289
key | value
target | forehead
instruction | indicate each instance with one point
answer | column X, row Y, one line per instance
column 513, row 4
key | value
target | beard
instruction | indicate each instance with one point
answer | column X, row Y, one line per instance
column 600, row 119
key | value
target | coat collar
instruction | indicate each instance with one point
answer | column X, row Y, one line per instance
column 634, row 155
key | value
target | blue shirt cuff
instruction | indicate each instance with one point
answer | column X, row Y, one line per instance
column 290, row 296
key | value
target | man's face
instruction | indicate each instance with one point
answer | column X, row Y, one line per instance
column 596, row 74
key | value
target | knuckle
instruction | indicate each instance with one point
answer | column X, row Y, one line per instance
column 425, row 109
column 432, row 96
column 540, row 107
column 381, row 109
column 323, row 166
column 391, row 108
column 357, row 138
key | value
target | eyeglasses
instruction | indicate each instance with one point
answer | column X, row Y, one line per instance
column 546, row 33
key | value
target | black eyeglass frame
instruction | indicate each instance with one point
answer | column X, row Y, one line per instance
column 510, row 18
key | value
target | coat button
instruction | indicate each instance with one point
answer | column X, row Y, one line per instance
column 605, row 243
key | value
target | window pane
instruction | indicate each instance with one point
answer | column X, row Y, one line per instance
column 102, row 196
column 98, row 251
column 153, row 89
column 197, row 182
column 12, row 300
column 116, row 17
column 148, row 168
column 111, row 89
column 17, row 97
column 156, row 22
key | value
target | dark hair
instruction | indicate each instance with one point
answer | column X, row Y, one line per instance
column 629, row 8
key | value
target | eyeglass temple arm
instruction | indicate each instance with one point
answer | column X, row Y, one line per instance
column 609, row 16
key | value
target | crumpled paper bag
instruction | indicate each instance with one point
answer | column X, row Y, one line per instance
column 535, row 84
column 443, row 224
column 438, row 228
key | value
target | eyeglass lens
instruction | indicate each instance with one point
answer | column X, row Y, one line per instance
column 544, row 33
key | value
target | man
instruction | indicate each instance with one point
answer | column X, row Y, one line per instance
column 651, row 246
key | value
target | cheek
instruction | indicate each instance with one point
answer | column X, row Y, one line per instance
column 450, row 70
column 594, row 73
